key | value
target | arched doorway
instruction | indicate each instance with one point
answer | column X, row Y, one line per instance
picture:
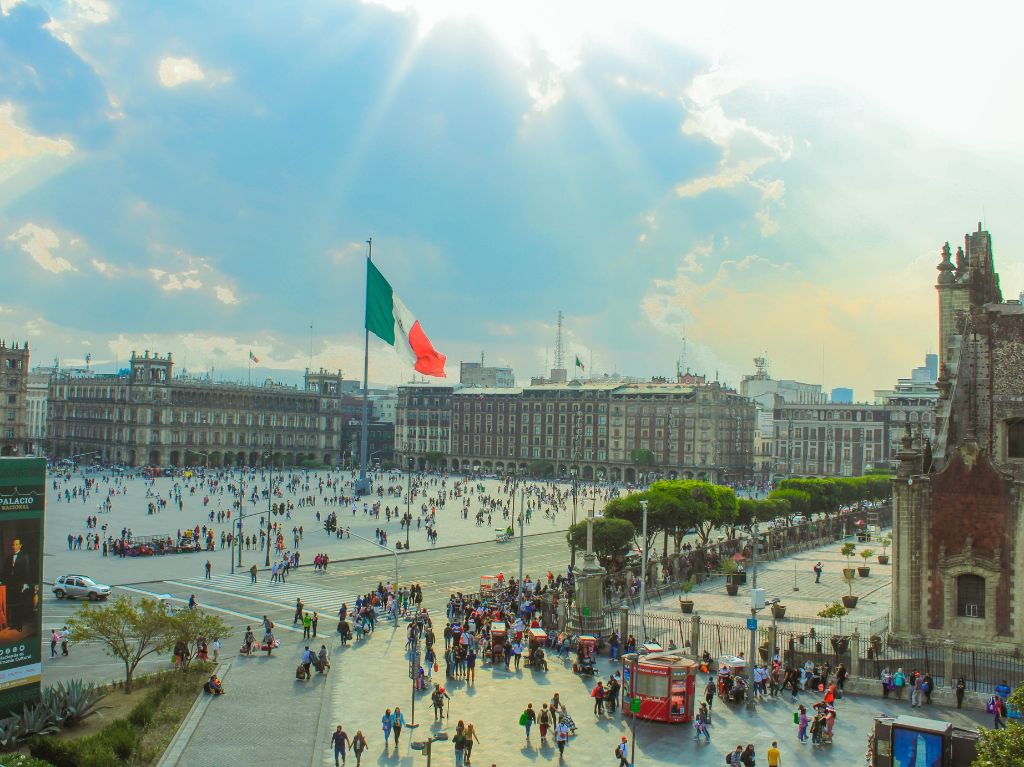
column 327, row 459
column 175, row 458
column 154, row 458
column 601, row 473
column 588, row 473
column 630, row 475
column 616, row 474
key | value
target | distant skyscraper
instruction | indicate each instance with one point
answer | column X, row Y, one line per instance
column 841, row 395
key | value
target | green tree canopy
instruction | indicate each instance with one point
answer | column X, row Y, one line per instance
column 628, row 508
column 697, row 505
column 542, row 469
column 188, row 625
column 612, row 538
column 799, row 501
column 641, row 456
column 129, row 630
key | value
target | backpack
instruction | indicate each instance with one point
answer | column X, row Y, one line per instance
column 728, row 757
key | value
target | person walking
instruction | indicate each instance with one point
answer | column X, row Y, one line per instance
column 397, row 723
column 252, row 573
column 748, row 757
column 316, row 619
column 774, row 755
column 961, row 688
column 544, row 721
column 470, row 737
column 527, row 718
column 307, row 626
column 817, row 572
column 916, row 692
column 709, row 694
column 736, row 757
column 622, row 751
column 208, row 568
column 899, row 681
column 54, row 641
column 358, row 746
column 307, row 661
column 801, row 720
column 998, row 714
column 340, row 741
column 561, row 738
column 459, row 744
column 386, row 723
column 298, row 611
column 215, row 646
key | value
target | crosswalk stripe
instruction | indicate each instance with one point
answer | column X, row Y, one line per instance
column 323, row 600
column 283, row 605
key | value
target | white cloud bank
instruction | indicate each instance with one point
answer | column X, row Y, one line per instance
column 40, row 243
column 178, row 71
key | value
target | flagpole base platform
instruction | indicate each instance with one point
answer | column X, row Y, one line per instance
column 363, row 486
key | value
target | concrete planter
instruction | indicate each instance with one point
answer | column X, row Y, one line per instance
column 883, row 559
column 849, row 602
column 732, row 589
column 686, row 605
column 863, row 572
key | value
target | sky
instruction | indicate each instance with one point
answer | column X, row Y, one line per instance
column 202, row 177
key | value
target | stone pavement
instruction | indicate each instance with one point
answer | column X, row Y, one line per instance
column 129, row 511
column 273, row 719
column 792, row 580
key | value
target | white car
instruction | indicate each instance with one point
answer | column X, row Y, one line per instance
column 80, row 586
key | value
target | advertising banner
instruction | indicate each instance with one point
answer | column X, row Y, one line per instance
column 22, row 499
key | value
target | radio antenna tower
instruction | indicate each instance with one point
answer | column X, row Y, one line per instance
column 559, row 346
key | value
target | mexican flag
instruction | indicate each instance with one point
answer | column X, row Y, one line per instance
column 253, row 357
column 580, row 364
column 392, row 322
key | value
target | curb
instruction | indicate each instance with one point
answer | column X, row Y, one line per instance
column 172, row 754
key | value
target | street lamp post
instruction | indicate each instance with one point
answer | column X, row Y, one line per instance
column 753, row 615
column 522, row 540
column 643, row 576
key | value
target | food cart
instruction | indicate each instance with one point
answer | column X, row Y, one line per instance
column 488, row 584
column 535, row 653
column 649, row 647
column 496, row 651
column 586, row 650
column 729, row 666
column 664, row 682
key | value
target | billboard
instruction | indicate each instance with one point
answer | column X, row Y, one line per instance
column 22, row 499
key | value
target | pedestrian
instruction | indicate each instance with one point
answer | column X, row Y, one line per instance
column 215, row 646
column 899, row 681
column 358, row 746
column 622, row 751
column 252, row 573
column 54, row 641
column 748, row 757
column 561, row 738
column 801, row 720
column 459, row 744
column 887, row 682
column 470, row 737
column 340, row 741
column 611, row 694
column 397, row 723
column 961, row 688
column 998, row 714
column 298, row 611
column 316, row 619
column 598, row 695
column 527, row 718
column 307, row 626
column 544, row 720
column 208, row 567
column 916, row 692
column 386, row 723
column 774, row 755
column 709, row 694
column 437, row 698
column 307, row 661
column 736, row 757
column 817, row 572
column 192, row 603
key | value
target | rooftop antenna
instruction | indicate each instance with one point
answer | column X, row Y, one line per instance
column 682, row 356
column 762, row 364
column 311, row 347
column 559, row 350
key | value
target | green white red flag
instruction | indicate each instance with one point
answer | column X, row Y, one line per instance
column 391, row 321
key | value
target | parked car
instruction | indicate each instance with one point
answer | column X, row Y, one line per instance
column 799, row 519
column 80, row 586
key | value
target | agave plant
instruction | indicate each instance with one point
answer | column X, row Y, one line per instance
column 11, row 732
column 37, row 720
column 74, row 702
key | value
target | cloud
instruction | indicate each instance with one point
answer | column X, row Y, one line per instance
column 106, row 269
column 768, row 226
column 40, row 242
column 347, row 254
column 176, row 281
column 74, row 16
column 16, row 143
column 546, row 92
column 178, row 71
column 226, row 295
column 501, row 329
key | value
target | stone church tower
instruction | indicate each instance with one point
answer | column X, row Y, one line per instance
column 958, row 506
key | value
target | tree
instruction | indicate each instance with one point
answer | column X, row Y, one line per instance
column 129, row 630
column 433, row 458
column 188, row 625
column 798, row 500
column 642, row 457
column 628, row 508
column 542, row 469
column 612, row 538
column 700, row 506
column 1001, row 747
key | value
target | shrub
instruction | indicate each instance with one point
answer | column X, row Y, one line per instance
column 834, row 610
column 24, row 760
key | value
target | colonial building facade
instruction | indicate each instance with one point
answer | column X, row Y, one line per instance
column 958, row 505
column 14, row 439
column 148, row 417
column 596, row 430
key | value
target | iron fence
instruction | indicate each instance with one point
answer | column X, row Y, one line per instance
column 983, row 670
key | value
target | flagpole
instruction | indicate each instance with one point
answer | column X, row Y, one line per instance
column 363, row 486
column 250, row 367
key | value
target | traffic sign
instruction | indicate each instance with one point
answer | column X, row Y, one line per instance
column 752, row 624
column 634, row 705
